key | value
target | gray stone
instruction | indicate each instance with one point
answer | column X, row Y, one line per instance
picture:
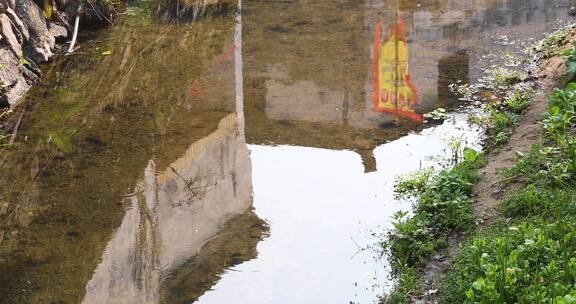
column 8, row 35
column 41, row 41
column 11, row 77
column 17, row 22
column 57, row 31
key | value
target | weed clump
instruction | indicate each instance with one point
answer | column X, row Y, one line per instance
column 444, row 206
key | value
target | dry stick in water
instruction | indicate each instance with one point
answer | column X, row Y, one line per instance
column 76, row 25
column 16, row 127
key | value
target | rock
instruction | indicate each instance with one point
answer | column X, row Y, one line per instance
column 8, row 35
column 41, row 42
column 18, row 24
column 23, row 31
column 57, row 31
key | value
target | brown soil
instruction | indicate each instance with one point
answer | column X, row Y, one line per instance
column 492, row 186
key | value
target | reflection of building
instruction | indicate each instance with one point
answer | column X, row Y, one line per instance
column 310, row 67
column 173, row 215
column 178, row 217
column 452, row 68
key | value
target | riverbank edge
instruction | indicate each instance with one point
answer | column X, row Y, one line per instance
column 424, row 249
column 32, row 33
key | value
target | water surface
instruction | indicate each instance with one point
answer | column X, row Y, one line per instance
column 238, row 158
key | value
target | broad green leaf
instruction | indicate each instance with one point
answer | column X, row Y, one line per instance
column 571, row 67
column 571, row 86
column 470, row 155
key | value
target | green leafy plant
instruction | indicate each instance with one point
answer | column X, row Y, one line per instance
column 529, row 256
column 409, row 185
column 23, row 61
column 569, row 56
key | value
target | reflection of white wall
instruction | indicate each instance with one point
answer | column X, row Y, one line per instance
column 167, row 224
column 300, row 100
column 307, row 101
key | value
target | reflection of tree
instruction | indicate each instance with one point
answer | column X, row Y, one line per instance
column 187, row 10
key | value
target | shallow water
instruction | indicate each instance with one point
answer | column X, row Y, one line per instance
column 241, row 159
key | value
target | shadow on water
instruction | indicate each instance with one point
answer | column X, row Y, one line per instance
column 141, row 174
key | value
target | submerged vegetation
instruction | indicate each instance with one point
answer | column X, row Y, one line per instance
column 528, row 255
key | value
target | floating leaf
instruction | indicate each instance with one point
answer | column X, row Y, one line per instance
column 106, row 53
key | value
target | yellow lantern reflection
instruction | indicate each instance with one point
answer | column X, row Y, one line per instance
column 393, row 90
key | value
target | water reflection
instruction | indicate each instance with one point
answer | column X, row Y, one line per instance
column 172, row 216
column 123, row 115
column 131, row 179
column 320, row 68
column 393, row 91
column 187, row 224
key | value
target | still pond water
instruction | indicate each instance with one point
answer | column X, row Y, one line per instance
column 239, row 159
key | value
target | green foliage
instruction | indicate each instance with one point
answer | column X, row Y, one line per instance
column 530, row 255
column 443, row 207
column 409, row 185
column 23, row 61
column 506, row 77
column 505, row 96
column 550, row 46
column 569, row 56
column 518, row 100
column 553, row 163
column 407, row 285
column 534, row 200
column 471, row 155
column 500, row 127
column 532, row 262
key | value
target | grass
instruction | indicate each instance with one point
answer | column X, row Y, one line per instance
column 529, row 256
column 551, row 45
